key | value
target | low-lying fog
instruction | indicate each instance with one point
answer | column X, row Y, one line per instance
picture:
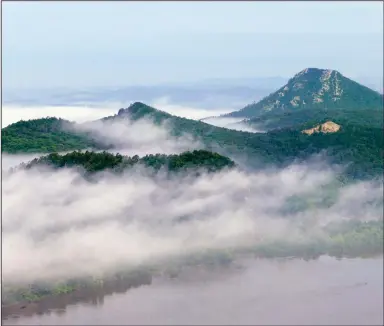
column 12, row 113
column 92, row 111
column 232, row 123
column 58, row 225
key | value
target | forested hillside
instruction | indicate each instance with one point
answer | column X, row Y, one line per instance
column 359, row 147
column 304, row 118
column 44, row 136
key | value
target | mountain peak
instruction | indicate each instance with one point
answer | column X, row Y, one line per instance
column 138, row 110
column 135, row 108
column 320, row 82
column 317, row 72
column 312, row 74
column 315, row 88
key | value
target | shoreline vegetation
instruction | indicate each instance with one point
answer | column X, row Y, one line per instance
column 352, row 239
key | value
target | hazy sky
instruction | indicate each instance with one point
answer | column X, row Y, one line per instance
column 79, row 44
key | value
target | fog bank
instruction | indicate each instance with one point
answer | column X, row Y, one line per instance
column 72, row 227
column 56, row 224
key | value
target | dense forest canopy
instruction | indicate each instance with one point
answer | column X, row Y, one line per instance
column 304, row 118
column 94, row 162
column 45, row 135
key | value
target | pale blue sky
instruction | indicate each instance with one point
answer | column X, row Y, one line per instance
column 86, row 44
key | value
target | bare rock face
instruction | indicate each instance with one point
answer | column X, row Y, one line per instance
column 326, row 127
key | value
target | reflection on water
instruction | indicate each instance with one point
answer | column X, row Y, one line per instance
column 87, row 296
column 290, row 291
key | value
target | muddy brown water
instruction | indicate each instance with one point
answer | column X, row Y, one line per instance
column 249, row 291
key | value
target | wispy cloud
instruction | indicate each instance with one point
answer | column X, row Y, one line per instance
column 232, row 123
column 140, row 137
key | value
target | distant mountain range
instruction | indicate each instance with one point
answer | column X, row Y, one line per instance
column 213, row 93
column 313, row 99
column 205, row 94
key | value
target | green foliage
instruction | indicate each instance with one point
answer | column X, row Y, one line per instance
column 360, row 148
column 90, row 161
column 63, row 289
column 94, row 162
column 43, row 136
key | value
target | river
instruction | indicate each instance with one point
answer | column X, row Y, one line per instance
column 248, row 291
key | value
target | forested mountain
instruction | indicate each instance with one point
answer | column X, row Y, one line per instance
column 358, row 143
column 314, row 88
column 360, row 147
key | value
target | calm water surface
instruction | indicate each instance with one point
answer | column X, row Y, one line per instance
column 323, row 291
